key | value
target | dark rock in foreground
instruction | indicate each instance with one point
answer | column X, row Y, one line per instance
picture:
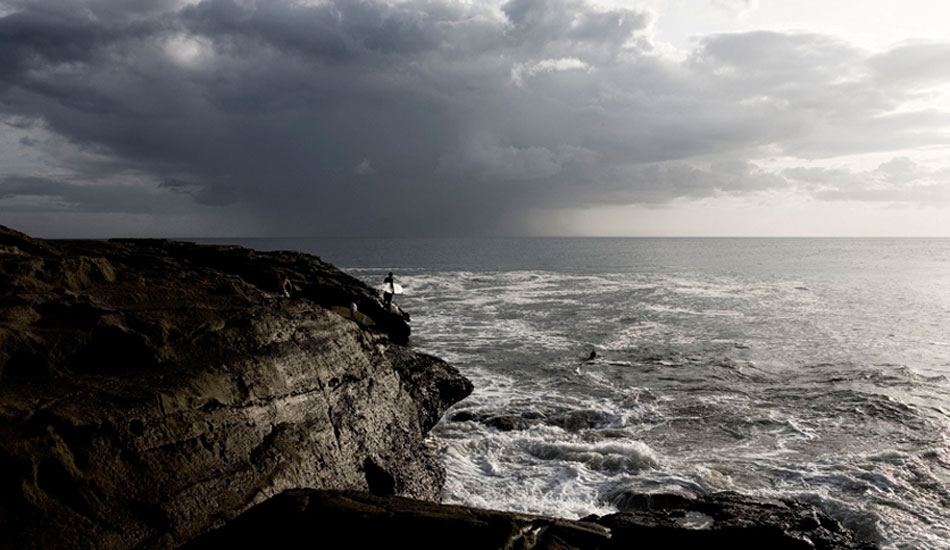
column 360, row 520
column 151, row 390
column 725, row 520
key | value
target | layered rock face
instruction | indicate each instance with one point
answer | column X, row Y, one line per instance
column 151, row 390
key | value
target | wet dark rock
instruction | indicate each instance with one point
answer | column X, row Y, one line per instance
column 724, row 520
column 464, row 416
column 507, row 423
column 582, row 419
column 573, row 420
column 430, row 381
column 151, row 390
column 501, row 422
column 651, row 501
column 359, row 520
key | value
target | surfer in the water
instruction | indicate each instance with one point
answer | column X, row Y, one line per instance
column 389, row 289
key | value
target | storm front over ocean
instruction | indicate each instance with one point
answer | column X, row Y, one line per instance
column 689, row 248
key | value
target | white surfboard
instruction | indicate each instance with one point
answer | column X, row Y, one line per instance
column 397, row 288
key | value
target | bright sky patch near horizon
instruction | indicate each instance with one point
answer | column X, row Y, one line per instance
column 437, row 117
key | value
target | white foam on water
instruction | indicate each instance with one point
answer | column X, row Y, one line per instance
column 661, row 308
column 634, row 334
column 488, row 335
column 722, row 287
column 609, row 456
column 489, row 470
column 847, row 449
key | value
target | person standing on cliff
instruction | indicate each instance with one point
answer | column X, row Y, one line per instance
column 286, row 286
column 389, row 289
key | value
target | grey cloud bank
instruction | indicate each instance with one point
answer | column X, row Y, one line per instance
column 430, row 117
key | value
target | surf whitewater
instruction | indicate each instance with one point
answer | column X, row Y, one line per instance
column 815, row 369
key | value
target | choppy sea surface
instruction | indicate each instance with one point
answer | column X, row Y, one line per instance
column 808, row 368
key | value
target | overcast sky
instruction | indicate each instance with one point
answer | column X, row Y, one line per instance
column 449, row 117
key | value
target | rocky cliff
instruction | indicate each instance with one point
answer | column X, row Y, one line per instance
column 151, row 390
column 155, row 394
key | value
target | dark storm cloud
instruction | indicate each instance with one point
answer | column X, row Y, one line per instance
column 22, row 185
column 433, row 116
column 38, row 194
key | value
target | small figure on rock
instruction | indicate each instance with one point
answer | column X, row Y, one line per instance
column 286, row 286
column 360, row 318
column 389, row 288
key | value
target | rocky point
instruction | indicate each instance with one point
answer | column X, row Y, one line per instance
column 151, row 390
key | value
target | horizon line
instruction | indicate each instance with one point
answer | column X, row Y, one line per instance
column 355, row 237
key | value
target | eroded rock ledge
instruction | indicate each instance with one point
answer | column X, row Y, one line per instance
column 151, row 390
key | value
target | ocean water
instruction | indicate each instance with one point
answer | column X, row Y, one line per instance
column 817, row 369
